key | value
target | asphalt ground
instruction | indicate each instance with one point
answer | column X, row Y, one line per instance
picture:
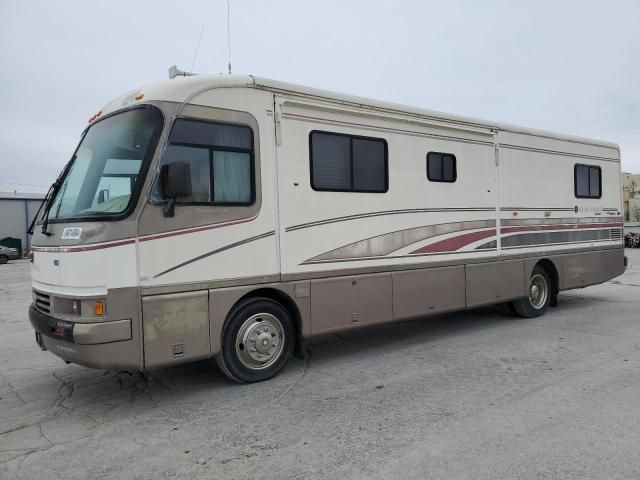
column 471, row 395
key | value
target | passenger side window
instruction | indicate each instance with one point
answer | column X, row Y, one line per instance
column 348, row 163
column 220, row 157
column 587, row 181
column 441, row 167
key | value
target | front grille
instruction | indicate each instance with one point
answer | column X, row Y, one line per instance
column 616, row 234
column 42, row 302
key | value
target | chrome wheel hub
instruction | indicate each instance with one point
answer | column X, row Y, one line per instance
column 538, row 291
column 260, row 341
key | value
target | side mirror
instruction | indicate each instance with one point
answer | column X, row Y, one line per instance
column 175, row 182
column 103, row 195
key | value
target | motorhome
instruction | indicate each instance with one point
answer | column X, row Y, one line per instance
column 233, row 217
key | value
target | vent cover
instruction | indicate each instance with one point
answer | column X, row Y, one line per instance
column 42, row 302
column 616, row 234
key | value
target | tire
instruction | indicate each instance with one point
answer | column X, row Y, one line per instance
column 539, row 292
column 257, row 340
column 506, row 308
column 3, row 259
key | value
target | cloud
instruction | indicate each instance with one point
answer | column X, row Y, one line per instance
column 568, row 66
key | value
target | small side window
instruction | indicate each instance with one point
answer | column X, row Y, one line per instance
column 441, row 167
column 587, row 181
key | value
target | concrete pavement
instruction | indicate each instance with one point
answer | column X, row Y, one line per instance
column 471, row 395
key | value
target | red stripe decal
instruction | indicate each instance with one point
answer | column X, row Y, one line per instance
column 85, row 248
column 454, row 243
column 99, row 246
column 535, row 228
column 194, row 229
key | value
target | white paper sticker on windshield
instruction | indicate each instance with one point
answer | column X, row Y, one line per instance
column 71, row 233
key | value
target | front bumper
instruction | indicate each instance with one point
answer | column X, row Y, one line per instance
column 80, row 333
column 106, row 345
column 51, row 327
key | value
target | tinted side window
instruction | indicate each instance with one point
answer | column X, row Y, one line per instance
column 220, row 157
column 348, row 163
column 594, row 182
column 369, row 165
column 441, row 167
column 331, row 161
column 211, row 134
column 587, row 181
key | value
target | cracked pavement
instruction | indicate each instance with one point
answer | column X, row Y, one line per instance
column 476, row 394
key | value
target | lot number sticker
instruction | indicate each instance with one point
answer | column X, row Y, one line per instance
column 71, row 233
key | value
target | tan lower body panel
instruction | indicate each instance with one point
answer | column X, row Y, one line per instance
column 422, row 292
column 337, row 303
column 121, row 355
column 175, row 328
column 495, row 282
column 187, row 326
column 102, row 332
column 352, row 301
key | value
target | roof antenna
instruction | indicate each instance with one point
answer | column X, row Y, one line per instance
column 229, row 34
column 195, row 55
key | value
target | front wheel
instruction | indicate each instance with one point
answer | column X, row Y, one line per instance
column 3, row 259
column 539, row 295
column 257, row 341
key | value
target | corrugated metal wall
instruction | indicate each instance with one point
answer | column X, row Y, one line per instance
column 15, row 216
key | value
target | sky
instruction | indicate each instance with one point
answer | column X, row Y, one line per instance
column 565, row 66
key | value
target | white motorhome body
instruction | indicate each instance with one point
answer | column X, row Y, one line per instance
column 205, row 214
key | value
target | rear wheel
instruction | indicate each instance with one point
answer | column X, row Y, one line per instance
column 3, row 259
column 506, row 308
column 539, row 295
column 257, row 341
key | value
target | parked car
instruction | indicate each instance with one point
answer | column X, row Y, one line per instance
column 7, row 253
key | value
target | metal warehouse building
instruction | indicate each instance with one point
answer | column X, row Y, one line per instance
column 16, row 213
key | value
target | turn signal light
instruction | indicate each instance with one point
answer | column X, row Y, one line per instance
column 99, row 309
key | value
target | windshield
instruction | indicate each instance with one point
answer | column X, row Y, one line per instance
column 107, row 166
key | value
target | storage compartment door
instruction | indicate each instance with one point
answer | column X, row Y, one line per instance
column 429, row 291
column 175, row 328
column 495, row 282
column 344, row 302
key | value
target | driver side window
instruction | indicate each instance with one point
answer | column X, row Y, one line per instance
column 220, row 157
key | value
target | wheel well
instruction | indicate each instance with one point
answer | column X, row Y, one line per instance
column 284, row 300
column 552, row 271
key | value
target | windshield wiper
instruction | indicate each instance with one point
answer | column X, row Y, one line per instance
column 35, row 217
column 48, row 199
